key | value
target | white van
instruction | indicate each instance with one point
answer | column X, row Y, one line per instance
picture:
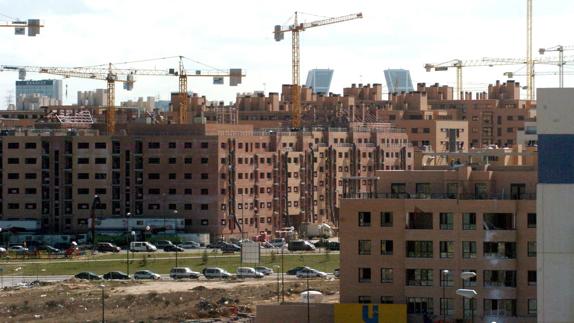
column 136, row 246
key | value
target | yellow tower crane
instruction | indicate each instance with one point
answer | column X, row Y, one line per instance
column 295, row 28
column 126, row 76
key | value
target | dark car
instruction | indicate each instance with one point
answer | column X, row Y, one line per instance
column 334, row 245
column 295, row 270
column 300, row 245
column 173, row 248
column 88, row 276
column 230, row 247
column 116, row 275
column 107, row 247
column 161, row 244
column 216, row 245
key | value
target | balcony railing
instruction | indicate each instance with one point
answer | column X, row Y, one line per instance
column 441, row 196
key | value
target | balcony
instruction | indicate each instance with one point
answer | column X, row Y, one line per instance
column 440, row 196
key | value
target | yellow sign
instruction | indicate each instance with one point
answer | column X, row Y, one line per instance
column 370, row 313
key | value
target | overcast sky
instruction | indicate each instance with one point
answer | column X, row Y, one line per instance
column 226, row 34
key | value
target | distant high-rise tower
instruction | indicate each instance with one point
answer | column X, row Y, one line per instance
column 399, row 80
column 49, row 88
column 319, row 80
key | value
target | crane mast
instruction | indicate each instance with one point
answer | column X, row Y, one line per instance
column 529, row 61
column 295, row 29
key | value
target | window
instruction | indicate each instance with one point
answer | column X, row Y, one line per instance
column 419, row 305
column 153, row 145
column 204, row 207
column 446, row 278
column 13, row 206
column 387, row 300
column 532, row 306
column 153, row 160
column 187, row 206
column 364, row 299
column 419, row 249
column 13, row 161
column 83, row 145
column 480, row 191
column 386, row 275
column 188, row 145
column 419, row 277
column 500, row 250
column 187, row 191
column 364, row 247
column 447, row 249
column 101, row 160
column 364, row 275
column 386, row 247
column 172, row 145
column 204, row 176
column 471, row 282
column 532, row 278
column 30, row 161
column 532, row 220
column 446, row 306
column 364, row 219
column 446, row 221
column 423, row 188
column 499, row 307
column 469, row 221
column 100, row 191
column 100, row 175
column 531, row 248
column 83, row 160
column 14, row 191
column 386, row 219
column 419, row 220
column 83, row 176
column 398, row 189
column 188, row 160
column 498, row 221
column 469, row 249
column 100, row 145
column 13, row 175
column 172, row 176
column 204, row 160
column 204, row 191
column 153, row 176
column 172, row 160
column 30, row 176
column 499, row 278
column 153, row 191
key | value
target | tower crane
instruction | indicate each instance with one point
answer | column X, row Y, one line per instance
column 126, row 76
column 485, row 62
column 295, row 29
column 560, row 49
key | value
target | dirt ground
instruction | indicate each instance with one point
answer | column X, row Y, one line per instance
column 160, row 301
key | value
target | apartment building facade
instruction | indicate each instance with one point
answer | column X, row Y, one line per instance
column 217, row 178
column 397, row 242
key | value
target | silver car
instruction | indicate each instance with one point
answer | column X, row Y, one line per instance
column 146, row 274
column 310, row 273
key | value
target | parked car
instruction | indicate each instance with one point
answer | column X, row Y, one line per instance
column 144, row 246
column 189, row 245
column 173, row 248
column 310, row 272
column 247, row 272
column 18, row 249
column 216, row 245
column 264, row 270
column 146, row 274
column 107, row 247
column 2, row 250
column 183, row 272
column 300, row 245
column 278, row 243
column 215, row 272
column 116, row 275
column 294, row 271
column 160, row 244
column 334, row 245
column 230, row 247
column 88, row 276
column 266, row 245
column 337, row 272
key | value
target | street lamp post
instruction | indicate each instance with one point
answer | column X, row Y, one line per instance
column 103, row 304
column 444, row 303
column 276, row 267
column 128, row 243
column 282, row 275
column 467, row 293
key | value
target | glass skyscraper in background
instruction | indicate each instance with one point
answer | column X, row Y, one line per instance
column 398, row 80
column 319, row 80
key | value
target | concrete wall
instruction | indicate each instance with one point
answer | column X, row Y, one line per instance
column 295, row 313
column 554, row 206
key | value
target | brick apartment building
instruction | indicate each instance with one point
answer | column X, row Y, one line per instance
column 395, row 243
column 204, row 172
